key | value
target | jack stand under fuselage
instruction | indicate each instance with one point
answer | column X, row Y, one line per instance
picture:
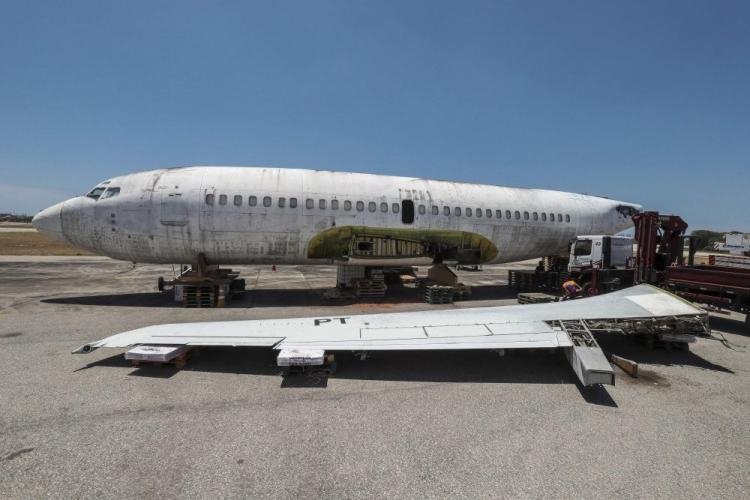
column 204, row 285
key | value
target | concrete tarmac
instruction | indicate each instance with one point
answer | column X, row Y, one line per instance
column 434, row 425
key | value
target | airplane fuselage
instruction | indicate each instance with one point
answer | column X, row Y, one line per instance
column 243, row 215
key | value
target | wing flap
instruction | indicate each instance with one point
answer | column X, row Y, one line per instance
column 457, row 331
column 527, row 340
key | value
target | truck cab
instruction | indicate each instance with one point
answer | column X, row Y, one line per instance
column 600, row 252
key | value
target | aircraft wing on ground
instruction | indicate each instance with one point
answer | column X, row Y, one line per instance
column 565, row 325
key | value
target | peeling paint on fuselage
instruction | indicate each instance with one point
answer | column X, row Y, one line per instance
column 162, row 216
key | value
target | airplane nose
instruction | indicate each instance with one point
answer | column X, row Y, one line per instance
column 49, row 221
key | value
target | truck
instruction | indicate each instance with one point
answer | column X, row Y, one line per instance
column 604, row 263
column 721, row 288
column 657, row 256
column 601, row 262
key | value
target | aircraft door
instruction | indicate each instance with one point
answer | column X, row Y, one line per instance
column 174, row 209
column 207, row 204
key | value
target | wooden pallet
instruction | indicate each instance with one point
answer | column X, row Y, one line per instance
column 535, row 298
column 437, row 294
column 366, row 287
column 199, row 296
column 179, row 361
column 524, row 280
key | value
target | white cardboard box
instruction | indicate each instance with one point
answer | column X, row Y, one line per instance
column 156, row 353
column 301, row 357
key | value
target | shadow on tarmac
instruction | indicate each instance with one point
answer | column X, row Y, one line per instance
column 628, row 348
column 517, row 367
column 274, row 297
column 729, row 325
column 469, row 366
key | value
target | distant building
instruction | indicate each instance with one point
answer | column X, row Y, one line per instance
column 14, row 218
column 735, row 243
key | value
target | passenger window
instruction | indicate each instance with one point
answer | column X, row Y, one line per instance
column 384, row 207
column 479, row 212
column 292, row 202
column 266, row 201
column 583, row 247
column 498, row 214
column 395, row 208
column 222, row 199
column 507, row 214
column 488, row 213
column 253, row 201
column 422, row 210
column 334, row 204
column 468, row 212
column 446, row 210
column 552, row 217
column 371, row 206
column 559, row 217
column 536, row 216
column 567, row 217
column 407, row 211
column 457, row 211
column 347, row 205
column 111, row 192
column 544, row 217
column 526, row 216
column 518, row 215
column 282, row 202
column 237, row 200
column 209, row 199
column 309, row 203
column 435, row 210
column 322, row 204
column 360, row 206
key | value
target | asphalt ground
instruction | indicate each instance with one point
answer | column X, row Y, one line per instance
column 461, row 424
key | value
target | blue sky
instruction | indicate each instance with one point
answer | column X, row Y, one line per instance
column 642, row 101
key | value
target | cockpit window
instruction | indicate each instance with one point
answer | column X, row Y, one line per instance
column 98, row 190
column 111, row 192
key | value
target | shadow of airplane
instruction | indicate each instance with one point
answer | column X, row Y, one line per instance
column 274, row 297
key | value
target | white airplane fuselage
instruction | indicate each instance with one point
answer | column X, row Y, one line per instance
column 247, row 215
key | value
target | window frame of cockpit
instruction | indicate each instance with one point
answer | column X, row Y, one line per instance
column 103, row 186
column 114, row 190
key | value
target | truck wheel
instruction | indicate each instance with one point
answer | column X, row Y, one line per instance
column 588, row 290
column 747, row 321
